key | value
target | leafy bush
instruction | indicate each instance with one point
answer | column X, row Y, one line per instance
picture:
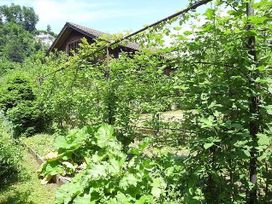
column 108, row 175
column 9, row 158
column 72, row 149
column 19, row 104
column 6, row 65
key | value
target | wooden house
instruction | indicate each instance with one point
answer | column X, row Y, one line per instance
column 71, row 35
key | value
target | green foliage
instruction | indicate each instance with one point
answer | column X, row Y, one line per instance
column 17, row 39
column 6, row 65
column 108, row 175
column 24, row 16
column 9, row 158
column 19, row 104
column 16, row 43
column 91, row 91
column 71, row 152
column 220, row 77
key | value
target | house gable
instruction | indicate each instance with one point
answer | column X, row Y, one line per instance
column 71, row 35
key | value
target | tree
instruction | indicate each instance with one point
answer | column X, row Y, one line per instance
column 24, row 16
column 30, row 19
column 16, row 43
column 48, row 29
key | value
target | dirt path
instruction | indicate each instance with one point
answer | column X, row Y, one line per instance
column 28, row 189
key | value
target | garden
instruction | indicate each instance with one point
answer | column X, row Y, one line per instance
column 185, row 119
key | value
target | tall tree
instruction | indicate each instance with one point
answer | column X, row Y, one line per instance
column 24, row 16
column 16, row 43
column 30, row 19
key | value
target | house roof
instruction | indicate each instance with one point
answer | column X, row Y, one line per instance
column 86, row 30
column 68, row 27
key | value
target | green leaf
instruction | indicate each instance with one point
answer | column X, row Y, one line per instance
column 122, row 198
column 60, row 142
column 208, row 145
column 246, row 152
column 264, row 140
column 128, row 180
column 158, row 187
column 104, row 134
column 207, row 122
column 98, row 171
column 145, row 199
column 269, row 108
column 83, row 199
column 210, row 13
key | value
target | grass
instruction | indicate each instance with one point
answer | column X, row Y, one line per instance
column 40, row 143
column 27, row 189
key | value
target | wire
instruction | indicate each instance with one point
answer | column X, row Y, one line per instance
column 189, row 8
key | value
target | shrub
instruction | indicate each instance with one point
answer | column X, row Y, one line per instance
column 9, row 158
column 19, row 104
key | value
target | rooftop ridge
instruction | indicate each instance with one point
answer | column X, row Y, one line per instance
column 97, row 33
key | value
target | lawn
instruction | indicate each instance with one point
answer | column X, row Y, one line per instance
column 40, row 143
column 27, row 188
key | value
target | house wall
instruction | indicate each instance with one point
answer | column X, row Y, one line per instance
column 74, row 36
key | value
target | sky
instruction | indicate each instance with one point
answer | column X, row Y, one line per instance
column 110, row 16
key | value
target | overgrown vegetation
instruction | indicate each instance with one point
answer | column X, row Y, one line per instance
column 20, row 106
column 218, row 72
column 105, row 174
column 20, row 110
column 9, row 159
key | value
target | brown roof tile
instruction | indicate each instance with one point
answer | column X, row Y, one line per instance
column 97, row 34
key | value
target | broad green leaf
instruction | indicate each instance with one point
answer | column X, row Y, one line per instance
column 208, row 145
column 128, row 180
column 104, row 134
column 207, row 122
column 264, row 140
column 98, row 170
column 83, row 199
column 158, row 187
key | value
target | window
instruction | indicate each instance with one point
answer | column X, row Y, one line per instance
column 72, row 46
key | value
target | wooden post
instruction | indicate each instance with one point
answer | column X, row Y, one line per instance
column 254, row 111
column 111, row 94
